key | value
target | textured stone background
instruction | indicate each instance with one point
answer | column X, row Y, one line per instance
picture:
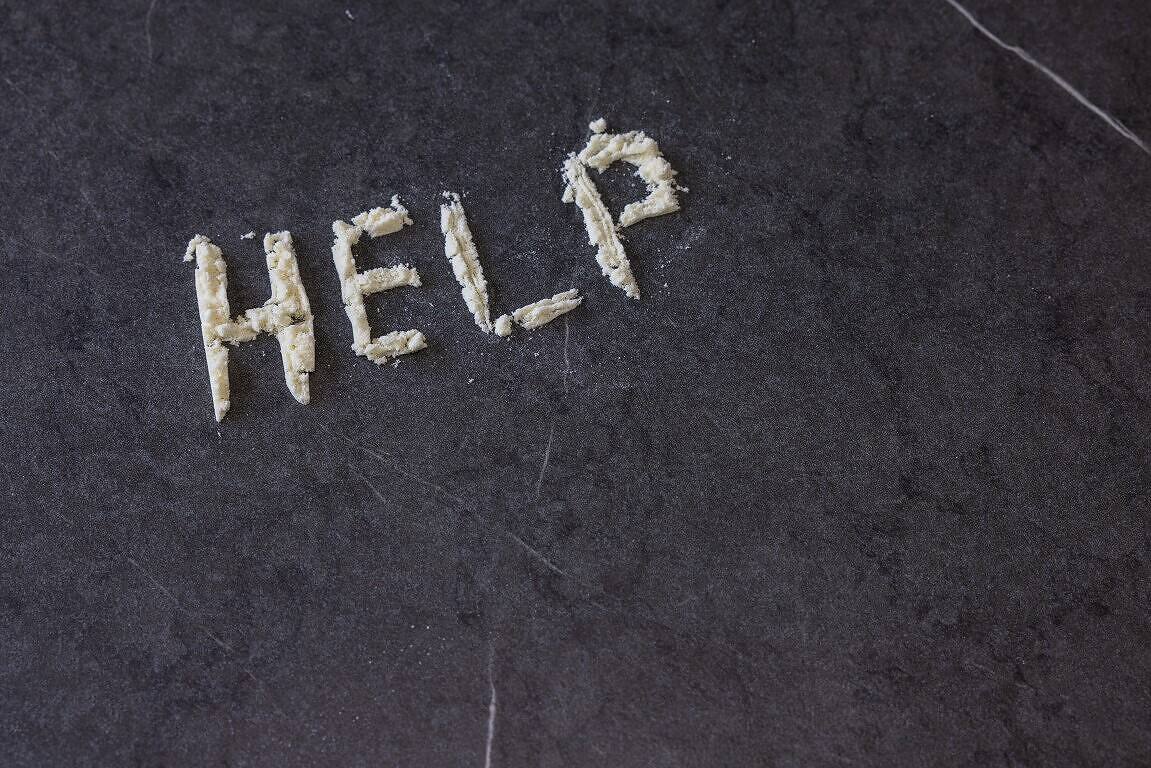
column 867, row 483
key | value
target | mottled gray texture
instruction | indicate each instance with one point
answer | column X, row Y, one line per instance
column 866, row 484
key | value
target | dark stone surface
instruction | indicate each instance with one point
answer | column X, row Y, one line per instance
column 866, row 483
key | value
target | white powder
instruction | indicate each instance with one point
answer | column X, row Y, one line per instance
column 602, row 150
column 601, row 232
column 354, row 285
column 545, row 310
column 460, row 248
column 503, row 326
column 640, row 150
column 287, row 314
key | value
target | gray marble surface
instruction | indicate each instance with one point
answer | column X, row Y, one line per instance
column 863, row 480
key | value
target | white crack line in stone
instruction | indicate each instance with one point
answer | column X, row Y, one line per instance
column 491, row 704
column 1114, row 122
